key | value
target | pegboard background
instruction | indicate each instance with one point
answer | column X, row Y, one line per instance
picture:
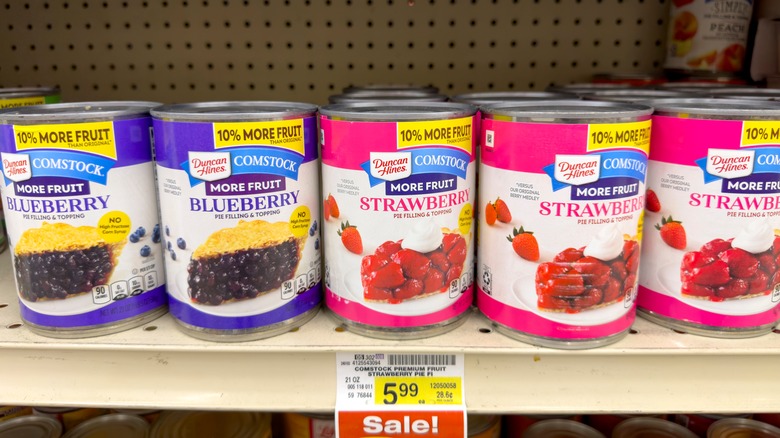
column 306, row 50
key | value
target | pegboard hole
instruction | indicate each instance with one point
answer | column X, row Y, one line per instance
column 150, row 328
column 3, row 305
column 294, row 329
column 340, row 329
column 485, row 330
column 776, row 331
column 633, row 332
column 680, row 332
column 15, row 325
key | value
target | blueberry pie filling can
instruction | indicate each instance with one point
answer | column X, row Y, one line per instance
column 85, row 258
column 238, row 184
column 398, row 194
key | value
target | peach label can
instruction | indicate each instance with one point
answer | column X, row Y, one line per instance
column 711, row 247
column 399, row 187
column 561, row 193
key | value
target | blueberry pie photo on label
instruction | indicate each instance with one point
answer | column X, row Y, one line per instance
column 59, row 261
column 243, row 262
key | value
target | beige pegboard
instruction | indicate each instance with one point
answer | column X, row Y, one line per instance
column 306, row 50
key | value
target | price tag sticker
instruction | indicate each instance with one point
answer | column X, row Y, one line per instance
column 400, row 395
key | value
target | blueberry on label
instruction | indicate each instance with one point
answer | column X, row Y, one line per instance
column 170, row 246
column 134, row 238
column 181, row 243
column 173, row 254
column 146, row 251
column 167, row 231
column 317, row 244
column 141, row 231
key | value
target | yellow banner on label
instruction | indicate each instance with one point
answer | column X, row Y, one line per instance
column 455, row 132
column 634, row 135
column 418, row 391
column 285, row 134
column 756, row 133
column 22, row 101
column 94, row 137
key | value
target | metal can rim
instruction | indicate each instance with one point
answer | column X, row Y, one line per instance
column 556, row 110
column 75, row 112
column 384, row 97
column 49, row 427
column 488, row 97
column 234, row 111
column 742, row 424
column 430, row 89
column 725, row 108
column 632, row 427
column 398, row 111
column 12, row 93
column 128, row 421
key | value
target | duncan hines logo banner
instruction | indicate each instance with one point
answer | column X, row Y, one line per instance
column 729, row 164
column 390, row 166
column 16, row 167
column 209, row 166
column 577, row 170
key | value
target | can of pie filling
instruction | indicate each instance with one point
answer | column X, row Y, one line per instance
column 400, row 95
column 27, row 96
column 296, row 425
column 712, row 253
column 399, row 188
column 8, row 412
column 113, row 425
column 562, row 191
column 30, row 426
column 741, row 428
column 373, row 88
column 490, row 97
column 200, row 424
column 239, row 186
column 86, row 258
column 69, row 417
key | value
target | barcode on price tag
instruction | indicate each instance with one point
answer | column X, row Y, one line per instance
column 421, row 359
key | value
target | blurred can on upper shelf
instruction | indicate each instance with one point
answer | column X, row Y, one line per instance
column 386, row 95
column 374, row 88
column 707, row 36
column 632, row 79
column 27, row 96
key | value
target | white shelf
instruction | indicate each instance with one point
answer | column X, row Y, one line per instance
column 655, row 370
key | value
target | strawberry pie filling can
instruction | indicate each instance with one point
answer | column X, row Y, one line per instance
column 561, row 192
column 398, row 184
column 238, row 188
column 711, row 258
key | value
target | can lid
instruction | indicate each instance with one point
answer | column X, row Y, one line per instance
column 117, row 425
column 719, row 108
column 486, row 98
column 402, row 95
column 392, row 111
column 698, row 85
column 739, row 427
column 636, row 94
column 13, row 93
column 430, row 89
column 747, row 93
column 30, row 426
column 557, row 111
column 75, row 112
column 197, row 424
column 639, row 427
column 480, row 423
column 561, row 429
column 235, row 111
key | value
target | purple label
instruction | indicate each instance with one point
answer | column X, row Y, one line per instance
column 199, row 137
column 422, row 184
column 117, row 311
column 247, row 184
column 299, row 305
column 756, row 183
column 48, row 186
column 608, row 188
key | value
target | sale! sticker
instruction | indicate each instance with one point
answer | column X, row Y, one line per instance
column 400, row 395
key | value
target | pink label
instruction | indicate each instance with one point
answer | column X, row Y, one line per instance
column 710, row 252
column 398, row 220
column 560, row 211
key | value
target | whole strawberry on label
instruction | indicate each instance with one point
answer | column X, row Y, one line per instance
column 672, row 233
column 350, row 237
column 524, row 243
column 652, row 203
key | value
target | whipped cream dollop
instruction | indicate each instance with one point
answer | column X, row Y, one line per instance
column 757, row 237
column 606, row 245
column 424, row 237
